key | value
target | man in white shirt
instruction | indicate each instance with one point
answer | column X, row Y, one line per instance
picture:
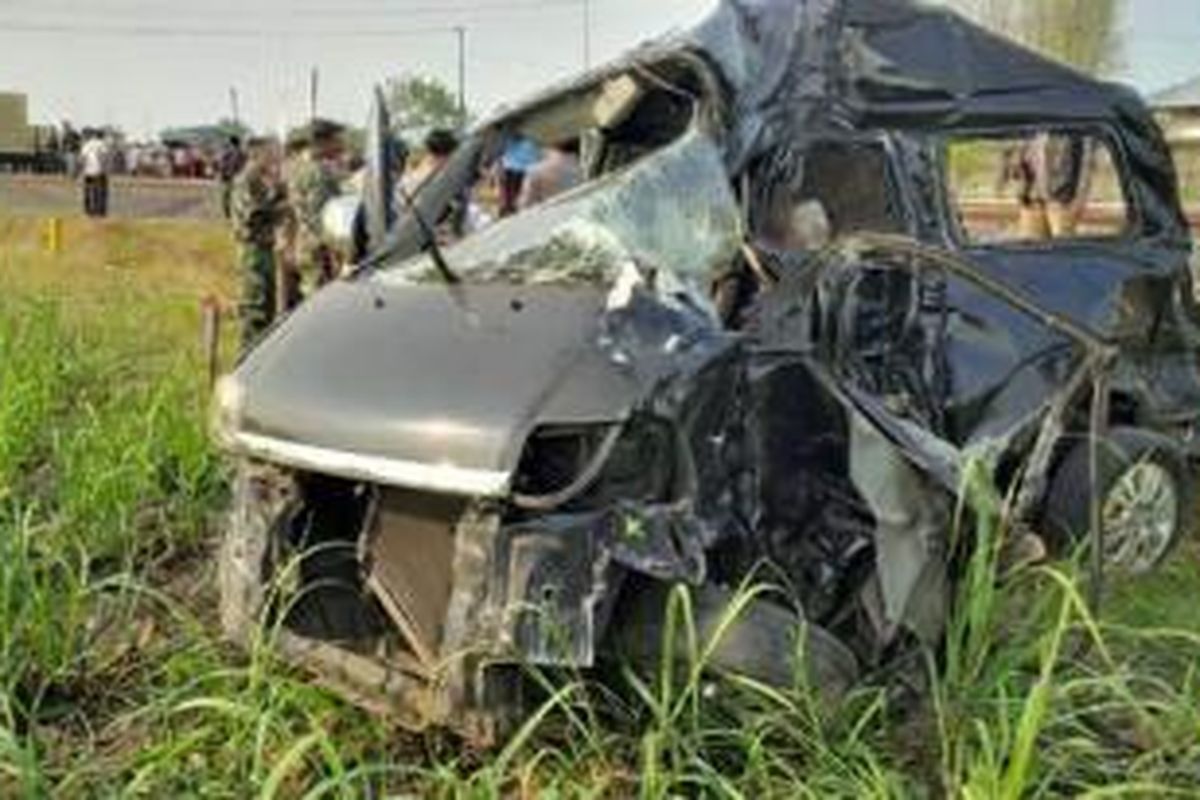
column 94, row 158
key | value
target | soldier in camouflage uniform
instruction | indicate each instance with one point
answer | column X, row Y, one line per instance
column 256, row 208
column 287, row 285
column 311, row 183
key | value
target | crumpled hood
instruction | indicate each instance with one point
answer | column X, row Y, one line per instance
column 571, row 313
column 426, row 377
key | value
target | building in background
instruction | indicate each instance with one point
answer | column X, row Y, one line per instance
column 25, row 147
column 1178, row 111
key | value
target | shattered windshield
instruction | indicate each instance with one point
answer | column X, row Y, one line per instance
column 617, row 177
column 671, row 214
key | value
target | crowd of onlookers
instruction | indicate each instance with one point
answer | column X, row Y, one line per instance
column 525, row 175
column 199, row 159
column 172, row 161
column 281, row 198
column 94, row 155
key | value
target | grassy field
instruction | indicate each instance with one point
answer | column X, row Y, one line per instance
column 113, row 682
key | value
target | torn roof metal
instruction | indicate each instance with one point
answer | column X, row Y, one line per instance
column 891, row 59
column 792, row 70
column 862, row 63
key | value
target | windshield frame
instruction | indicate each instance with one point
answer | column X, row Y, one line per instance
column 485, row 144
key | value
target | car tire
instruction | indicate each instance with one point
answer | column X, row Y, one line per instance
column 761, row 644
column 1145, row 489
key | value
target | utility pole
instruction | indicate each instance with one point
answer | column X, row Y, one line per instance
column 587, row 34
column 313, row 90
column 461, row 33
column 233, row 106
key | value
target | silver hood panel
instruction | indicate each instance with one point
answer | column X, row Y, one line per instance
column 426, row 384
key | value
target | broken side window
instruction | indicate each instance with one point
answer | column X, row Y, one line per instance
column 852, row 181
column 1036, row 186
column 841, row 188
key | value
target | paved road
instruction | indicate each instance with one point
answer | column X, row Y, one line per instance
column 143, row 198
column 149, row 198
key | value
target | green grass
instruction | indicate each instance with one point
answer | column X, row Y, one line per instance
column 113, row 682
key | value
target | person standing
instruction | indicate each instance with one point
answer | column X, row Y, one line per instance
column 71, row 145
column 1019, row 167
column 255, row 209
column 1067, row 169
column 558, row 172
column 1053, row 173
column 440, row 145
column 230, row 163
column 287, row 285
column 94, row 157
column 463, row 217
column 311, row 183
column 521, row 154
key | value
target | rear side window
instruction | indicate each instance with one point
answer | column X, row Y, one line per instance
column 1038, row 186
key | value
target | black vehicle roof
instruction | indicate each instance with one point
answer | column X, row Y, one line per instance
column 797, row 69
column 792, row 65
column 906, row 60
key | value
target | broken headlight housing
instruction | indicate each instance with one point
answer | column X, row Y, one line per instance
column 588, row 468
column 229, row 405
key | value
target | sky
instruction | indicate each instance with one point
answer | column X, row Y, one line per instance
column 145, row 65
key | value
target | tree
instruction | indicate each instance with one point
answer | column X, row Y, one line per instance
column 231, row 127
column 418, row 103
column 1082, row 33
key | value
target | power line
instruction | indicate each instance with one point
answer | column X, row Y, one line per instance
column 191, row 30
column 314, row 11
column 325, row 5
column 444, row 10
column 11, row 26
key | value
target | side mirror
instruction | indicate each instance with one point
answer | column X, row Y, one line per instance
column 385, row 158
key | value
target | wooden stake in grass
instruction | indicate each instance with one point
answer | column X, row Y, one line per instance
column 211, row 313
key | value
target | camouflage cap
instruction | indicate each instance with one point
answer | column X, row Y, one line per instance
column 318, row 131
column 298, row 138
column 324, row 130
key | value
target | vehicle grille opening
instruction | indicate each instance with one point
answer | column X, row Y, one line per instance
column 409, row 561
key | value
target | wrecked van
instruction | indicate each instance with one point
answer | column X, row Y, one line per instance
column 469, row 458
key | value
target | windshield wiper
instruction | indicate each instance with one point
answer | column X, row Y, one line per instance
column 431, row 245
